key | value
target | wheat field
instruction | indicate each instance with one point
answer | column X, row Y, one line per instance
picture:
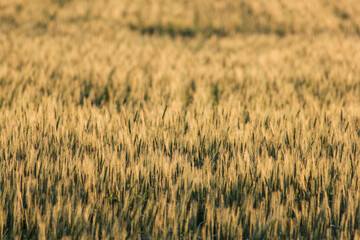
column 170, row 119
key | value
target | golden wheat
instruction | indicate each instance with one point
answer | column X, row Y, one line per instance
column 179, row 119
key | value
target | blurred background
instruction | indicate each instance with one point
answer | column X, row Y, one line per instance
column 184, row 18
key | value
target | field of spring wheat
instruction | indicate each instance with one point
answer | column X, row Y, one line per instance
column 170, row 119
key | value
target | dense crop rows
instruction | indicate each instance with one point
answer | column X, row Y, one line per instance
column 179, row 119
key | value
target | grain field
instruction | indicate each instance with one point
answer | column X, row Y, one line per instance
column 170, row 119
